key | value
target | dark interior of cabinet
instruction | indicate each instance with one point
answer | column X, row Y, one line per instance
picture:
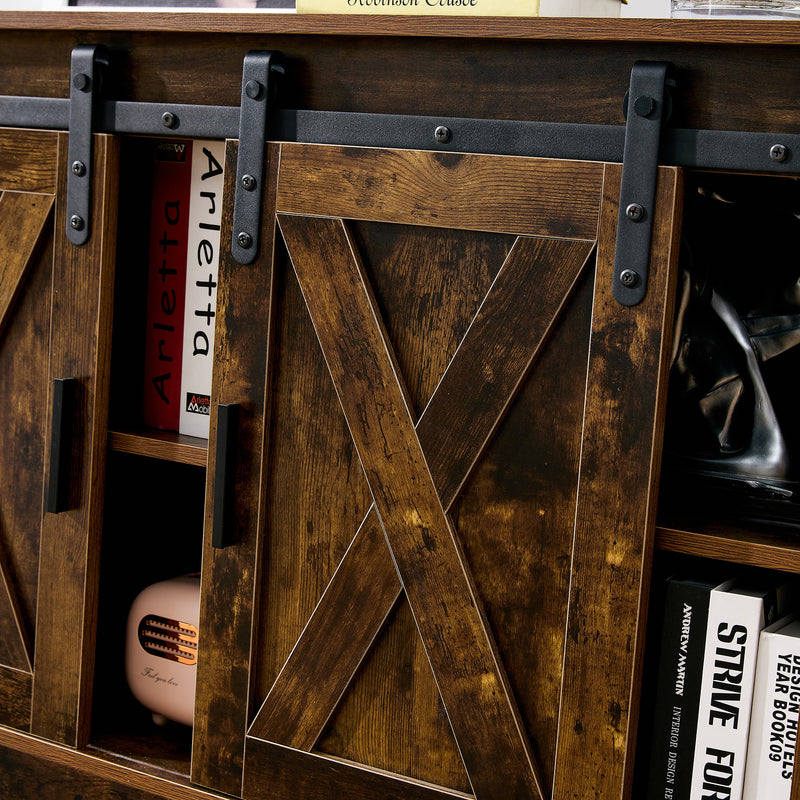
column 740, row 239
column 127, row 365
column 153, row 531
column 153, row 513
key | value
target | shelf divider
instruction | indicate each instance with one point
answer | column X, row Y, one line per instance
column 165, row 445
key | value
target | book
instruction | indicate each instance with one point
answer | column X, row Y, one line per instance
column 202, row 267
column 166, row 282
column 776, row 707
column 185, row 216
column 677, row 687
column 736, row 616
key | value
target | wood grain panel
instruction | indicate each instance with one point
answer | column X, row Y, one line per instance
column 466, row 407
column 438, row 587
column 516, row 516
column 15, row 698
column 27, row 161
column 23, row 218
column 227, row 616
column 15, row 647
column 541, row 198
column 273, row 772
column 23, row 222
column 316, row 494
column 70, row 541
column 24, row 354
column 615, row 517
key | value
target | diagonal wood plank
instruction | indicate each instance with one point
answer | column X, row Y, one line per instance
column 23, row 218
column 437, row 583
column 466, row 407
column 15, row 647
column 615, row 515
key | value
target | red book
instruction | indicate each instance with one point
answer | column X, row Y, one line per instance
column 166, row 284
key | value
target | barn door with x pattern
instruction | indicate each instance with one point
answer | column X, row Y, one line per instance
column 460, row 474
column 55, row 316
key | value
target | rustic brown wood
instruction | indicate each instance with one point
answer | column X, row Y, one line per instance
column 314, row 504
column 31, row 768
column 26, row 256
column 466, row 407
column 615, row 516
column 450, row 67
column 15, row 698
column 440, row 189
column 27, row 162
column 459, row 646
column 577, row 79
column 15, row 648
column 413, row 269
column 165, row 445
column 244, row 315
column 80, row 339
column 273, row 772
column 24, row 218
column 732, row 542
column 706, row 31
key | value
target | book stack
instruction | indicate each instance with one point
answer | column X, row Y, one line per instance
column 727, row 695
column 185, row 218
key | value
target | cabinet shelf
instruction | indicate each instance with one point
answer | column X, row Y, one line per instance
column 164, row 445
column 752, row 545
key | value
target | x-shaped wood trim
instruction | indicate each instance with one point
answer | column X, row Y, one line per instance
column 415, row 477
column 26, row 216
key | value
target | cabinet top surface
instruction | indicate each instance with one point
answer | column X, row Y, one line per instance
column 535, row 28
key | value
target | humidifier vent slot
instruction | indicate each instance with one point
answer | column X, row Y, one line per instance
column 169, row 638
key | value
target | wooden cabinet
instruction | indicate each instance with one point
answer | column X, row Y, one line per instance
column 448, row 432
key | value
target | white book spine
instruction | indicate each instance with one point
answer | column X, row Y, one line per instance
column 774, row 721
column 205, row 215
column 726, row 693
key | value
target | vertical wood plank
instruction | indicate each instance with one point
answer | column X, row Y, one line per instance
column 615, row 517
column 448, row 614
column 70, row 541
column 230, row 575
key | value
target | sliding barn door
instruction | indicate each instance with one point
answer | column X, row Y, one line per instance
column 461, row 439
column 55, row 301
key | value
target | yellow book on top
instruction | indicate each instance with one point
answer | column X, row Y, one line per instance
column 451, row 8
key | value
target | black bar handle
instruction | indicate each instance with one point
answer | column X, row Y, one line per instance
column 58, row 479
column 224, row 520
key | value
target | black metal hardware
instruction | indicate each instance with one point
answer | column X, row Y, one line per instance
column 646, row 114
column 257, row 94
column 224, row 519
column 85, row 78
column 65, row 392
column 740, row 151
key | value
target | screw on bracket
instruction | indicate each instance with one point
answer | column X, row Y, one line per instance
column 442, row 134
column 629, row 278
column 635, row 212
column 169, row 120
column 248, row 182
column 76, row 222
column 245, row 240
column 779, row 152
column 78, row 168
